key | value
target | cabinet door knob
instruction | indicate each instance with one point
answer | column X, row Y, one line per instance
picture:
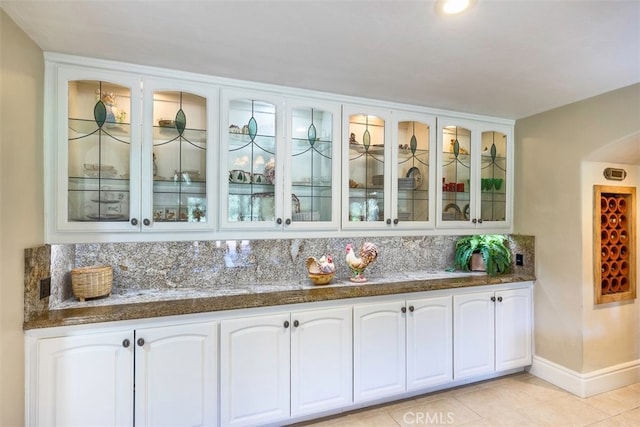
column 296, row 323
column 479, row 220
column 126, row 343
column 288, row 221
column 140, row 342
column 411, row 308
column 286, row 323
column 134, row 221
column 499, row 299
column 403, row 309
column 493, row 299
column 388, row 221
column 279, row 221
column 395, row 221
column 146, row 222
column 474, row 220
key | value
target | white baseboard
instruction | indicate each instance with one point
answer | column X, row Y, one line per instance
column 586, row 384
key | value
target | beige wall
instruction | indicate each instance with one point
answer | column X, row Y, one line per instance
column 550, row 190
column 21, row 200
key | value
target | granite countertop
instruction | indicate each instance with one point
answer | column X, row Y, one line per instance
column 148, row 304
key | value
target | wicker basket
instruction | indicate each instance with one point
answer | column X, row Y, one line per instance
column 91, row 282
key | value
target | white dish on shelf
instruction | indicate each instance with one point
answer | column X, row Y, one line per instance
column 108, row 217
column 306, row 216
column 373, row 149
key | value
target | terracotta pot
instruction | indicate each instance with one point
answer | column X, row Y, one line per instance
column 622, row 205
column 477, row 263
column 624, row 284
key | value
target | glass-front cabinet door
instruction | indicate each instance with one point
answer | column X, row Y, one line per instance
column 177, row 157
column 98, row 145
column 367, row 168
column 312, row 164
column 496, row 166
column 414, row 175
column 251, row 162
column 457, row 186
column 474, row 174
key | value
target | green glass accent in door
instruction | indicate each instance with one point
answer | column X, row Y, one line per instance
column 181, row 121
column 100, row 113
column 366, row 139
column 253, row 128
column 413, row 144
column 311, row 134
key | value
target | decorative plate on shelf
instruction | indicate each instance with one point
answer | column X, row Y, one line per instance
column 415, row 173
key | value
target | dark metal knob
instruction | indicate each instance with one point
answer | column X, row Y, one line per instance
column 279, row 221
column 126, row 343
column 388, row 221
column 411, row 308
column 288, row 221
column 296, row 323
column 474, row 220
column 134, row 221
column 395, row 221
column 493, row 299
column 140, row 342
column 499, row 299
column 286, row 323
column 480, row 221
column 403, row 309
column 146, row 222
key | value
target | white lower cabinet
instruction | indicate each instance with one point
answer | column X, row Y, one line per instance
column 492, row 331
column 84, row 380
column 176, row 376
column 87, row 378
column 401, row 346
column 275, row 365
column 285, row 364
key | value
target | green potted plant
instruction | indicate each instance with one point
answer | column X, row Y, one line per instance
column 490, row 247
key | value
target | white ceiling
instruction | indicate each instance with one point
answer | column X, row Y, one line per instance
column 504, row 58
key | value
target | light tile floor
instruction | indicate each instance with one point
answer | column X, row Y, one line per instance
column 516, row 400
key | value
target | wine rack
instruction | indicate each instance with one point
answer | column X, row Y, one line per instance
column 614, row 244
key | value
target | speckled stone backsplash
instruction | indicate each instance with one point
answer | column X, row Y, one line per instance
column 171, row 267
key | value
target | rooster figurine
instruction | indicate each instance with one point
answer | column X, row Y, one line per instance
column 368, row 254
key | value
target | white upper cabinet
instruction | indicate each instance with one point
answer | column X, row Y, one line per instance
column 367, row 167
column 475, row 174
column 280, row 162
column 93, row 145
column 127, row 154
column 251, row 160
column 135, row 153
column 388, row 169
column 312, row 164
column 178, row 161
column 414, row 176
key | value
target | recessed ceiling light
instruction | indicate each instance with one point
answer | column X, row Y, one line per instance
column 453, row 7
